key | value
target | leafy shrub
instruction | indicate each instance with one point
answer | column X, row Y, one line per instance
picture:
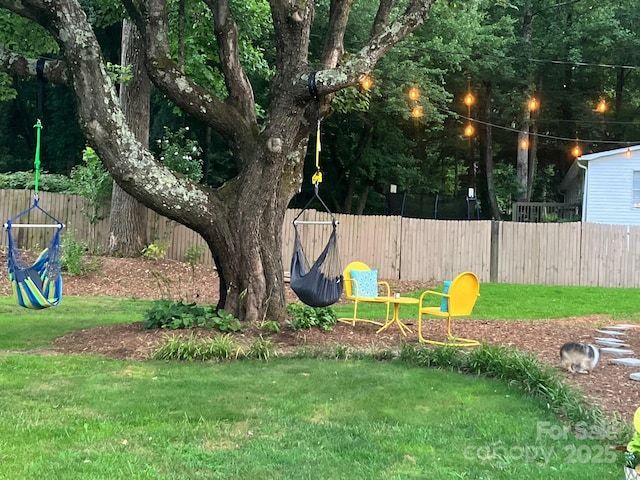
column 180, row 153
column 54, row 183
column 179, row 315
column 270, row 326
column 193, row 254
column 225, row 322
column 49, row 182
column 305, row 317
column 72, row 256
column 93, row 182
column 155, row 250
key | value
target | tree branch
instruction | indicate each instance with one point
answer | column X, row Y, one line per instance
column 18, row 66
column 382, row 16
column 339, row 12
column 292, row 26
column 34, row 10
column 167, row 76
column 235, row 78
column 137, row 10
column 350, row 73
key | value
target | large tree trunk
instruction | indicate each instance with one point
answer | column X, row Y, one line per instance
column 533, row 161
column 488, row 152
column 522, row 156
column 128, row 217
column 249, row 255
column 127, row 225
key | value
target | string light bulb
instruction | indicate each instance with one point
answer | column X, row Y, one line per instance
column 469, row 130
column 576, row 151
column 524, row 144
column 533, row 104
column 602, row 106
column 469, row 100
column 414, row 94
column 417, row 111
column 366, row 82
column 628, row 153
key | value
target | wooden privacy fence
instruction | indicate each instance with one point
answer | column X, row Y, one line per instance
column 400, row 248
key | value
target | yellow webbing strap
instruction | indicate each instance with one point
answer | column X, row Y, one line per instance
column 317, row 177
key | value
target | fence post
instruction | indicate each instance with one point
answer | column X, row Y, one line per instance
column 495, row 250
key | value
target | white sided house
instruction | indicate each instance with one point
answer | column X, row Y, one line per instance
column 608, row 184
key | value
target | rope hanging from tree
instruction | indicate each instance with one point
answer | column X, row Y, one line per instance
column 321, row 284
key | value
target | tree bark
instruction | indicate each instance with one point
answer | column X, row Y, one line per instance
column 522, row 157
column 128, row 217
column 533, row 160
column 488, row 152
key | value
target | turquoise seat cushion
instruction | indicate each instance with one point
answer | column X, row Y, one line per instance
column 365, row 283
column 444, row 305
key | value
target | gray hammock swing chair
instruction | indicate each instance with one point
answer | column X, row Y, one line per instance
column 320, row 284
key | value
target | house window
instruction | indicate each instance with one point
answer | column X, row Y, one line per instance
column 636, row 189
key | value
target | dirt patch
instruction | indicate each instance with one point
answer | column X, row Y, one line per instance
column 608, row 385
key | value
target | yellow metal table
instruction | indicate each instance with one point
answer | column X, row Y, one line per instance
column 397, row 301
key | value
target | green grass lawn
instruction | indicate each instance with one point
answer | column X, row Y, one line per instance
column 499, row 301
column 23, row 328
column 87, row 417
column 83, row 417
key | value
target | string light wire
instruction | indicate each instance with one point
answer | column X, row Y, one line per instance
column 585, row 64
column 541, row 135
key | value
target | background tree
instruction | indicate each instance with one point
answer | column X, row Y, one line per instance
column 127, row 216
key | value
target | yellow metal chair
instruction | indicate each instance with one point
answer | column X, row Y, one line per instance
column 460, row 300
column 361, row 285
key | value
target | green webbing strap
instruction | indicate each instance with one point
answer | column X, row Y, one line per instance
column 38, row 127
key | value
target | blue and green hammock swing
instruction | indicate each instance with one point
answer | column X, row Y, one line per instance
column 37, row 285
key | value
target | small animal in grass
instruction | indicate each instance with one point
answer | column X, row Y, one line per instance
column 579, row 357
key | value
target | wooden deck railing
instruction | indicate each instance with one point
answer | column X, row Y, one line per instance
column 545, row 212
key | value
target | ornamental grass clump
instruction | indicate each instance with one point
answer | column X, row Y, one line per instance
column 192, row 348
